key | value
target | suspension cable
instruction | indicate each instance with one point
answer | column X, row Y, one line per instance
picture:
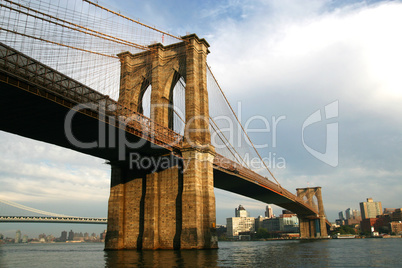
column 218, row 133
column 127, row 18
column 16, row 205
column 224, row 96
column 227, row 142
column 94, row 33
column 59, row 44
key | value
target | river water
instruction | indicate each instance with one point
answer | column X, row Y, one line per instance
column 290, row 253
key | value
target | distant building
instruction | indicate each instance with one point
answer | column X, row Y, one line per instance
column 356, row 214
column 366, row 224
column 352, row 217
column 340, row 222
column 370, row 209
column 396, row 227
column 63, row 237
column 17, row 237
column 49, row 238
column 397, row 215
column 348, row 214
column 25, row 239
column 288, row 223
column 102, row 236
column 258, row 222
column 268, row 212
column 240, row 224
column 71, row 235
column 241, row 212
column 221, row 231
column 340, row 215
column 388, row 211
column 272, row 225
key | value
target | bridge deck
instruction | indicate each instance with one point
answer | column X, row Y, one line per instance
column 53, row 219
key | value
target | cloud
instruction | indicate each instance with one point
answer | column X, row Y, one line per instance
column 34, row 171
column 305, row 56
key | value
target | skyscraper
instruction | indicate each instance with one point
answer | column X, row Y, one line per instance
column 268, row 212
column 241, row 212
column 355, row 214
column 17, row 237
column 340, row 214
column 348, row 214
column 370, row 209
column 71, row 235
column 241, row 223
column 63, row 237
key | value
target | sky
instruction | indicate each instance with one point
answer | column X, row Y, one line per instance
column 327, row 72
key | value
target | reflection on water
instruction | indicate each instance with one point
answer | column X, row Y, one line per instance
column 161, row 258
column 289, row 253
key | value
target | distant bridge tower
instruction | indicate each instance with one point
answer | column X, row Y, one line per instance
column 315, row 226
column 173, row 208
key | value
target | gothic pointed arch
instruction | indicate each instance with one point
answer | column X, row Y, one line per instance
column 144, row 86
column 175, row 80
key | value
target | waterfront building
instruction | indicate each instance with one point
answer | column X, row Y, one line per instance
column 396, row 227
column 397, row 215
column 241, row 212
column 339, row 222
column 288, row 223
column 272, row 225
column 259, row 221
column 348, row 214
column 25, row 239
column 352, row 217
column 102, row 236
column 356, row 214
column 340, row 215
column 240, row 224
column 63, row 237
column 388, row 211
column 49, row 238
column 366, row 224
column 268, row 212
column 370, row 209
column 17, row 236
column 70, row 235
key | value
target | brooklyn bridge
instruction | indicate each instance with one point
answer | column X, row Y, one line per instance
column 89, row 79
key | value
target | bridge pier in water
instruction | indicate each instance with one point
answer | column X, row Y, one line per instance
column 172, row 208
column 312, row 226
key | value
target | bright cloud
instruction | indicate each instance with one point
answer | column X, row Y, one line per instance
column 34, row 171
column 293, row 61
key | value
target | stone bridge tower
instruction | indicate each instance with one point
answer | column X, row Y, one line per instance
column 313, row 226
column 173, row 208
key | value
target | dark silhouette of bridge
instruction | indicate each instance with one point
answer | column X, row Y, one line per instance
column 169, row 202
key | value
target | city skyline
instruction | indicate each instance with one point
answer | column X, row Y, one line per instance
column 20, row 236
column 314, row 52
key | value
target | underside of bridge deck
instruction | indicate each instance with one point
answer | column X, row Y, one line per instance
column 36, row 117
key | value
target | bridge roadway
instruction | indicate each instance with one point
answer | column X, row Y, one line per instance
column 53, row 219
column 34, row 102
